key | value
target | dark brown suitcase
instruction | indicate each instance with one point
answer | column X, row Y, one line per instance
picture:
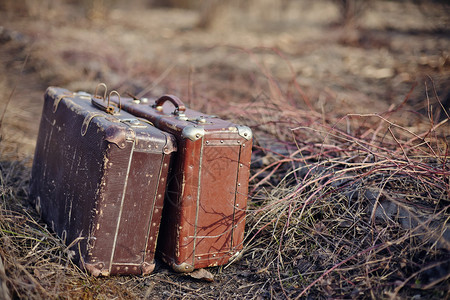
column 98, row 179
column 204, row 214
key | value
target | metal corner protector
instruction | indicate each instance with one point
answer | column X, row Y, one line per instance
column 245, row 132
column 193, row 133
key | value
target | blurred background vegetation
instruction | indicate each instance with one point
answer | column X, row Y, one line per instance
column 350, row 10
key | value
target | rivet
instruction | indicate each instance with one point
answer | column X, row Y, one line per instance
column 180, row 227
column 162, row 179
column 187, row 267
column 156, row 210
column 151, row 238
column 245, row 134
column 165, row 165
column 238, row 142
column 221, row 141
column 126, row 268
column 239, row 184
column 207, row 142
column 243, row 145
column 240, row 165
column 198, row 257
column 214, row 255
column 154, row 224
column 197, row 135
column 237, row 205
column 159, row 196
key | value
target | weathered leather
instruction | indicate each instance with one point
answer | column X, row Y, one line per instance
column 99, row 181
column 204, row 214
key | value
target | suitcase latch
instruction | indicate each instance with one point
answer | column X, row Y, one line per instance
column 83, row 95
column 134, row 123
column 199, row 120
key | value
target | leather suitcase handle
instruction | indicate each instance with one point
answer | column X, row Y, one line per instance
column 180, row 108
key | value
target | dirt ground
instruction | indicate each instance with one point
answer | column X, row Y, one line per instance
column 344, row 70
column 394, row 50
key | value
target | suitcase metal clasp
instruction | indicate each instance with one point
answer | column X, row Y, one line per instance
column 132, row 122
column 83, row 95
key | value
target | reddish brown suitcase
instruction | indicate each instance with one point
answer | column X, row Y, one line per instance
column 204, row 214
column 98, row 179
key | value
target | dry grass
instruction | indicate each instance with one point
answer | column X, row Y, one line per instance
column 356, row 206
column 341, row 205
column 36, row 263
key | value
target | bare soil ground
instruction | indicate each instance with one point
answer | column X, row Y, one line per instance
column 349, row 194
